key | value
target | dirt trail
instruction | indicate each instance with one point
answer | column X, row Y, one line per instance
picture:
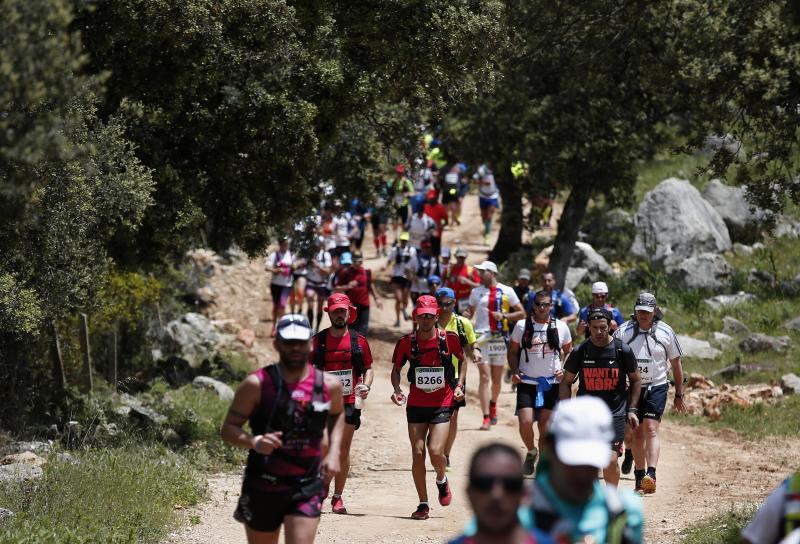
column 699, row 473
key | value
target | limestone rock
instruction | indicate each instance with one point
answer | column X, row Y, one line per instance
column 27, row 457
column 223, row 391
column 703, row 271
column 721, row 301
column 19, row 472
column 732, row 326
column 700, row 349
column 740, row 217
column 722, row 340
column 793, row 324
column 790, row 383
column 756, row 341
column 584, row 256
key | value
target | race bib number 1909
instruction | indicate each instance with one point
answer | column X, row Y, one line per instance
column 429, row 379
column 346, row 377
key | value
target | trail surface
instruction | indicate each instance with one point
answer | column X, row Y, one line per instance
column 699, row 473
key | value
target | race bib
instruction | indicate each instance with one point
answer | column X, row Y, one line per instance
column 346, row 377
column 646, row 370
column 496, row 347
column 429, row 378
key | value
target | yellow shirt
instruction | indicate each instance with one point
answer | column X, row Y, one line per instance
column 469, row 333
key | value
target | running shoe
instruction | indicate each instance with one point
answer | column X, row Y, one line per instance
column 405, row 316
column 529, row 468
column 397, row 323
column 422, row 512
column 445, row 495
column 337, row 506
column 627, row 462
column 487, row 424
column 648, row 484
column 493, row 414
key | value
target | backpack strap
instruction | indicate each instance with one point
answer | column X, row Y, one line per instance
column 280, row 391
column 356, row 353
column 319, row 353
column 462, row 334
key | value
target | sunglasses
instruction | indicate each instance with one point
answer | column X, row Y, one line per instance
column 544, row 305
column 484, row 484
column 452, row 302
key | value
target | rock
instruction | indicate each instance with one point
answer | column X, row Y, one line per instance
column 721, row 301
column 703, row 271
column 224, row 392
column 172, row 438
column 34, row 446
column 741, row 218
column 760, row 276
column 575, row 277
column 5, row 514
column 738, row 369
column 584, row 256
column 25, row 457
column 699, row 349
column 785, row 227
column 722, row 340
column 106, row 430
column 716, row 142
column 193, row 338
column 793, row 324
column 248, row 337
column 67, row 458
column 139, row 412
column 19, row 472
column 205, row 295
column 675, row 222
column 741, row 249
column 731, row 325
column 755, row 342
column 698, row 381
column 790, row 383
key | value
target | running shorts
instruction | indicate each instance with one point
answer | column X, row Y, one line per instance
column 432, row 415
column 378, row 219
column 320, row 290
column 449, row 194
column 401, row 281
column 484, row 203
column 280, row 294
column 494, row 351
column 526, row 398
column 653, row 401
column 352, row 415
column 264, row 511
column 618, row 444
column 402, row 213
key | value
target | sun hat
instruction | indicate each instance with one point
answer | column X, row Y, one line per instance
column 583, row 432
column 487, row 265
column 293, row 327
column 599, row 288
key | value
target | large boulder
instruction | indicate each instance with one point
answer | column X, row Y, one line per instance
column 732, row 326
column 741, row 218
column 703, row 271
column 193, row 338
column 793, row 324
column 756, row 341
column 790, row 384
column 583, row 256
column 699, row 349
column 674, row 222
column 223, row 390
column 726, row 301
column 19, row 472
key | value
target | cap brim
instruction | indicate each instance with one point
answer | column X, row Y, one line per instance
column 591, row 453
column 334, row 307
column 425, row 311
column 650, row 309
column 294, row 332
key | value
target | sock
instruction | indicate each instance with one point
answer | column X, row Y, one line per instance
column 487, row 227
column 377, row 242
column 628, row 453
column 638, row 474
column 383, row 240
column 442, row 482
column 651, row 471
column 336, row 496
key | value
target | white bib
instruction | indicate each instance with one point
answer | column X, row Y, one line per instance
column 346, row 377
column 429, row 378
column 496, row 347
column 647, row 369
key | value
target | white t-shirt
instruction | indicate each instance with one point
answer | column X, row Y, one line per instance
column 479, row 298
column 487, row 187
column 285, row 260
column 542, row 361
column 342, row 224
column 402, row 259
column 419, row 229
column 652, row 354
column 315, row 276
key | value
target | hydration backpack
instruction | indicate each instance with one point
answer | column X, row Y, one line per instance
column 356, row 353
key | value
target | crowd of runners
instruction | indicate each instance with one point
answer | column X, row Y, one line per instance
column 304, row 411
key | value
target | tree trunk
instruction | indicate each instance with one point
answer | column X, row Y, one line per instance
column 568, row 226
column 510, row 237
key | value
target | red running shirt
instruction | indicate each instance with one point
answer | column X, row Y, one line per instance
column 359, row 295
column 337, row 357
column 429, row 356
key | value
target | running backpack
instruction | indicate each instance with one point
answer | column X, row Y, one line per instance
column 284, row 416
column 462, row 334
column 553, row 339
column 356, row 353
column 648, row 334
column 501, row 325
column 445, row 357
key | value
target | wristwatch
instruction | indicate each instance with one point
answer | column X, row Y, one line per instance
column 678, row 395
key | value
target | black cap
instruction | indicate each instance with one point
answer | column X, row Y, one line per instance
column 599, row 313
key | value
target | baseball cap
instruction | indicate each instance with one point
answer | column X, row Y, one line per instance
column 400, row 169
column 432, row 194
column 404, row 236
column 293, row 327
column 646, row 302
column 461, row 252
column 599, row 288
column 583, row 432
column 487, row 265
column 425, row 243
column 445, row 252
column 426, row 304
column 337, row 301
column 599, row 313
column 524, row 274
column 346, row 258
column 445, row 292
column 433, row 279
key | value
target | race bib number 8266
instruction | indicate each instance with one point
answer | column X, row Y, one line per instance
column 429, row 379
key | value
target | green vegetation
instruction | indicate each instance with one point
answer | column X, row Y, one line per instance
column 723, row 528
column 756, row 422
column 126, row 495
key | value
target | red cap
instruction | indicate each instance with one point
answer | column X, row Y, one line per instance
column 426, row 304
column 400, row 169
column 432, row 194
column 339, row 300
column 426, row 243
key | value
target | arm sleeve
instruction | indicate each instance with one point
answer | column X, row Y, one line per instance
column 519, row 329
column 399, row 355
column 367, row 353
column 766, row 523
column 574, row 361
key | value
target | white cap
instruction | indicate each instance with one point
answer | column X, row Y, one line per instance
column 445, row 251
column 487, row 265
column 599, row 288
column 294, row 327
column 583, row 431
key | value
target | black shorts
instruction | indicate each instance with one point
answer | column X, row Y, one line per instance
column 352, row 416
column 618, row 421
column 322, row 291
column 526, row 398
column 653, row 401
column 449, row 194
column 401, row 281
column 422, row 414
column 402, row 213
column 378, row 219
column 264, row 511
column 280, row 294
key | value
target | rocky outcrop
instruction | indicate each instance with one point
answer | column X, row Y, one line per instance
column 741, row 218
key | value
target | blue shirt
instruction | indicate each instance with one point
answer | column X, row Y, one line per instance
column 615, row 313
column 560, row 299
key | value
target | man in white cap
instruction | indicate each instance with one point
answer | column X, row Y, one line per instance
column 493, row 306
column 599, row 300
column 567, row 500
column 656, row 348
column 290, row 406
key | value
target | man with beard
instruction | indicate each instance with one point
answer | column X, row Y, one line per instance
column 434, row 388
column 345, row 354
column 290, row 406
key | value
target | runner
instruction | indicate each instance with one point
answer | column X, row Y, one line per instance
column 546, row 343
column 344, row 354
column 444, row 264
column 563, row 307
column 344, row 228
column 359, row 212
column 279, row 264
column 599, row 300
column 289, row 405
column 450, row 185
column 655, row 347
column 488, row 199
column 420, row 228
column 778, row 519
column 379, row 218
column 356, row 282
column 403, row 260
column 462, row 279
column 401, row 189
column 437, row 212
column 462, row 326
column 492, row 304
column 601, row 363
column 434, row 388
column 317, row 282
column 425, row 265
column 496, row 490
